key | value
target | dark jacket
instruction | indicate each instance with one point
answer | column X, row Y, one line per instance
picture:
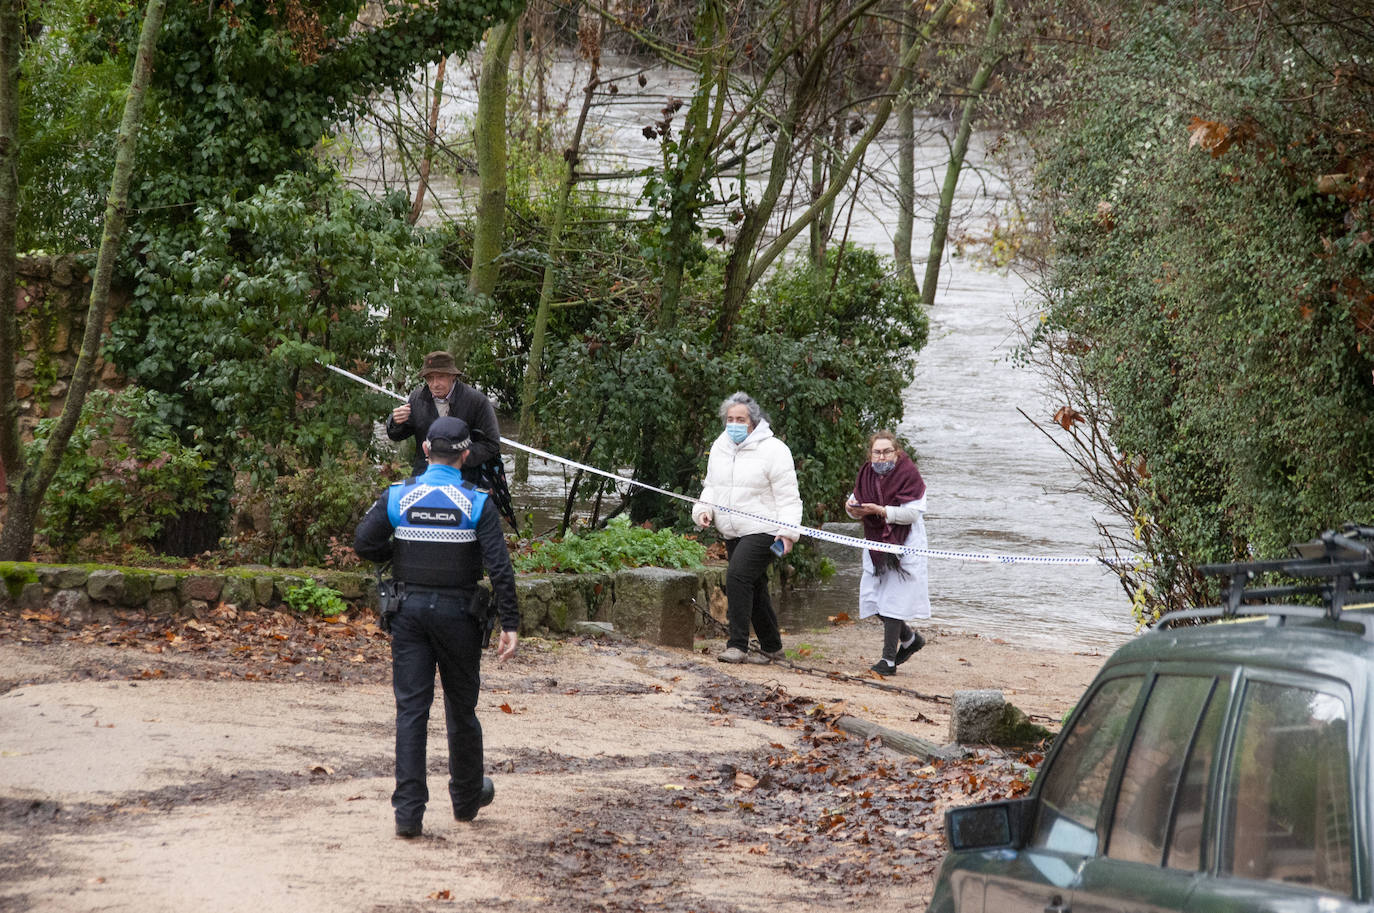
column 374, row 541
column 463, row 402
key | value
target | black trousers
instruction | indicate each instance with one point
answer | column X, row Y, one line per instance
column 746, row 593
column 436, row 629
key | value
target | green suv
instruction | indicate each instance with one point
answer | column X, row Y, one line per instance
column 1209, row 767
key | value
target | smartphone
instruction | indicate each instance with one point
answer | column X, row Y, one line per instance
column 777, row 547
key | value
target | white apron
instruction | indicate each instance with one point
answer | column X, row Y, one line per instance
column 894, row 595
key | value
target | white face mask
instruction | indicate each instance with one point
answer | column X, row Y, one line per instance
column 736, row 431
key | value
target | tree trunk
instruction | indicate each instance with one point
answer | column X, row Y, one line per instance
column 16, row 540
column 744, row 268
column 534, row 368
column 698, row 138
column 906, row 166
column 488, row 234
column 956, row 156
column 431, row 135
column 11, row 30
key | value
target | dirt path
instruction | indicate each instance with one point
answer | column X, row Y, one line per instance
column 628, row 778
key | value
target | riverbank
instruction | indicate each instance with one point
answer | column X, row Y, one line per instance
column 628, row 776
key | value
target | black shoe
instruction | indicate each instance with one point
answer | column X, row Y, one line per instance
column 904, row 653
column 488, row 794
column 409, row 831
column 883, row 667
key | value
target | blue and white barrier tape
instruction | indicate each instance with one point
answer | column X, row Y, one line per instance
column 823, row 535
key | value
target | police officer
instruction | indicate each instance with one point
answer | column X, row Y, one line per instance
column 440, row 532
column 442, row 394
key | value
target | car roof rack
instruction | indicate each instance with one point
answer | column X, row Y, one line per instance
column 1342, row 564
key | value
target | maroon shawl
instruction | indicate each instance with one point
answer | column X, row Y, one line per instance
column 901, row 485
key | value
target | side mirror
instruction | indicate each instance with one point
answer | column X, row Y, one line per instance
column 994, row 825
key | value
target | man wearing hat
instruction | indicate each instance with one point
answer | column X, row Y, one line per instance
column 442, row 394
column 440, row 532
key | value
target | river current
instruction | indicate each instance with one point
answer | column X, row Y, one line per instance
column 994, row 482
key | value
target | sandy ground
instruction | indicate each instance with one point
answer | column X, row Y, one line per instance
column 217, row 796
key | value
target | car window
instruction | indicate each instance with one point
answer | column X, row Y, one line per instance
column 1185, row 839
column 1073, row 788
column 1288, row 804
column 1155, row 766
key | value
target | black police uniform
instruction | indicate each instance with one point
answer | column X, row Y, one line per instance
column 440, row 533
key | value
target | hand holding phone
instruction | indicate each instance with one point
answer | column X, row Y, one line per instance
column 778, row 547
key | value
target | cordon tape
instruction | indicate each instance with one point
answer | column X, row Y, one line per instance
column 819, row 534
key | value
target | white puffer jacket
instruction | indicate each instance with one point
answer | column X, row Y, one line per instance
column 757, row 476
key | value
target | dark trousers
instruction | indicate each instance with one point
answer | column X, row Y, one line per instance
column 436, row 629
column 746, row 593
column 895, row 633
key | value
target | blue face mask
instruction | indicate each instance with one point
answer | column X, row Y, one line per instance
column 736, row 431
column 884, row 467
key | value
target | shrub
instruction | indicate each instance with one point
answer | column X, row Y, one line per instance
column 617, row 546
column 124, row 474
column 312, row 597
column 293, row 513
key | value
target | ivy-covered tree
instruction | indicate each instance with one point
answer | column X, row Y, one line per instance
column 1209, row 304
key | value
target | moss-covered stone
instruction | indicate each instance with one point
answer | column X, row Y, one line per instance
column 17, row 575
column 238, row 590
column 106, row 585
column 138, row 586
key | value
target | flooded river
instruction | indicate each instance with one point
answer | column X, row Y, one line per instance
column 994, row 482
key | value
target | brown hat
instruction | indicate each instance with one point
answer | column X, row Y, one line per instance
column 438, row 363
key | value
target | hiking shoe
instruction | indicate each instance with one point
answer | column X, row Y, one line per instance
column 488, row 793
column 732, row 655
column 904, row 652
column 883, row 667
column 409, row 831
column 763, row 657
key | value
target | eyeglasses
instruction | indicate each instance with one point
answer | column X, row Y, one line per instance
column 886, row 452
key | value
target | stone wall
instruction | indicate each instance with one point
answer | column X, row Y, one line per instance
column 52, row 295
column 654, row 604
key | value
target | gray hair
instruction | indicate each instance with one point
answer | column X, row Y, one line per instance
column 742, row 399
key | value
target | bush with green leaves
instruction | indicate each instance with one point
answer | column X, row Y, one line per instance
column 1210, row 293
column 235, row 318
column 827, row 353
column 311, row 598
column 619, row 545
column 124, row 474
column 296, row 511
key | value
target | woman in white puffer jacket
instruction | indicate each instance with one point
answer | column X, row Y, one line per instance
column 750, row 472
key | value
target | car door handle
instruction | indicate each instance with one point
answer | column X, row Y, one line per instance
column 1057, row 905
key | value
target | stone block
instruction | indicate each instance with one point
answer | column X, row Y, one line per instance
column 164, row 602
column 237, row 590
column 164, row 582
column 137, row 588
column 656, row 604
column 533, row 594
column 201, row 587
column 74, row 604
column 262, row 590
column 63, row 578
column 32, row 596
column 106, row 585
column 983, row 717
